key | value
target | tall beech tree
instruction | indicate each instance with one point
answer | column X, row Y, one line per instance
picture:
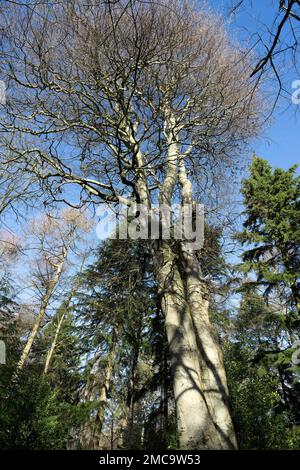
column 136, row 97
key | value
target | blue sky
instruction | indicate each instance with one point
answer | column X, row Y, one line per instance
column 279, row 141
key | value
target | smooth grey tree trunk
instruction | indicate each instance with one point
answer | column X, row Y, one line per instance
column 54, row 343
column 212, row 371
column 199, row 380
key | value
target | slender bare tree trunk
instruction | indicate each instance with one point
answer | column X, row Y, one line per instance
column 54, row 342
column 103, row 395
column 104, row 390
column 60, row 323
column 44, row 304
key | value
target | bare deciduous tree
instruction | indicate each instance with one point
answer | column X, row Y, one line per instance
column 55, row 238
column 279, row 41
column 141, row 97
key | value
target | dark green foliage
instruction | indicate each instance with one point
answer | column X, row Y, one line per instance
column 33, row 416
column 260, row 396
column 256, row 404
column 263, row 380
column 272, row 228
column 38, row 411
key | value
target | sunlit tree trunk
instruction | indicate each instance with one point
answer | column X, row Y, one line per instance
column 213, row 382
column 54, row 342
column 212, row 378
column 199, row 379
column 198, row 395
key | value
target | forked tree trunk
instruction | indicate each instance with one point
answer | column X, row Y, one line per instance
column 42, row 311
column 60, row 323
column 199, row 381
